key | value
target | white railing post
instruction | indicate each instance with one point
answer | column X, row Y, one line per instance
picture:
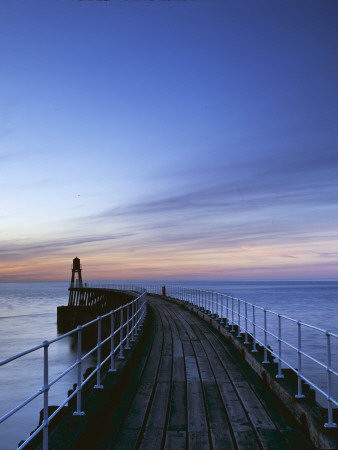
column 121, row 334
column 127, row 347
column 139, row 313
column 266, row 361
column 279, row 375
column 143, row 309
column 133, row 322
column 98, row 373
column 78, row 411
column 232, row 316
column 239, row 318
column 299, row 394
column 227, row 317
column 137, row 316
column 222, row 321
column 254, row 349
column 112, row 342
column 330, row 423
column 45, row 395
column 246, row 323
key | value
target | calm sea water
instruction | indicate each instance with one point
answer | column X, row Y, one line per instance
column 28, row 317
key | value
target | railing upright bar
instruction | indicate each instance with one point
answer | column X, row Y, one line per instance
column 98, row 373
column 254, row 349
column 139, row 313
column 299, row 373
column 127, row 347
column 279, row 375
column 137, row 316
column 133, row 322
column 239, row 318
column 121, row 334
column 45, row 395
column 222, row 298
column 232, row 316
column 330, row 423
column 112, row 342
column 78, row 411
column 266, row 361
column 246, row 323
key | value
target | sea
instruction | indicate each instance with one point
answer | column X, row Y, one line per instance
column 28, row 317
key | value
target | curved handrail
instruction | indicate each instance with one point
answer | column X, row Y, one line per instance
column 230, row 309
column 131, row 316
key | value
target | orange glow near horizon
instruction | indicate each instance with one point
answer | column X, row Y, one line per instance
column 245, row 262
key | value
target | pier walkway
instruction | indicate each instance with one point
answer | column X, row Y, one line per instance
column 191, row 391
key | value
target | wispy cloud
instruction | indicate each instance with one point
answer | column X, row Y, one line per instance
column 26, row 248
column 265, row 252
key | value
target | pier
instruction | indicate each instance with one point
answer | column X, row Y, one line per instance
column 179, row 368
column 189, row 390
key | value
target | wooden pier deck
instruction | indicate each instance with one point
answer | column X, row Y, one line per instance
column 191, row 391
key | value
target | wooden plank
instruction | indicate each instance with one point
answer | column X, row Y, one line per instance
column 155, row 427
column 178, row 407
column 175, row 440
column 269, row 435
column 239, row 422
column 264, row 428
column 199, row 440
column 220, row 431
column 151, row 369
column 130, row 432
column 191, row 369
column 196, row 412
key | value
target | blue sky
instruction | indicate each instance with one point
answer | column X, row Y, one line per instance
column 169, row 139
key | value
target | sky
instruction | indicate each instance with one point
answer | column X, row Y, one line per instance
column 169, row 140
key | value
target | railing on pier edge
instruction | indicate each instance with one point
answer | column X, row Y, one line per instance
column 235, row 314
column 131, row 316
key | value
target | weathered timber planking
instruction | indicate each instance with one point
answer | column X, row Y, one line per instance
column 155, row 427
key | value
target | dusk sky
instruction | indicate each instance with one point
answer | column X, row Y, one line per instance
column 169, row 139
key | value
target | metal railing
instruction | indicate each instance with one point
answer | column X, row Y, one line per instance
column 129, row 318
column 264, row 327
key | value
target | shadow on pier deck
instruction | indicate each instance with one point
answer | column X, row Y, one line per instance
column 185, row 389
